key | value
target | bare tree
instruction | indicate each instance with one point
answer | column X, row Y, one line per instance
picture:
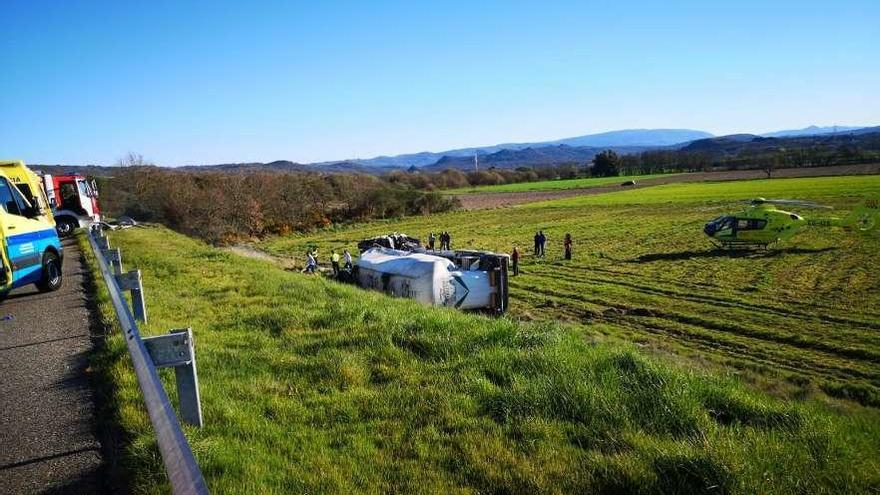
column 132, row 159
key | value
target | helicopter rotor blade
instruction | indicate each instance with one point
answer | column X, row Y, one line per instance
column 789, row 202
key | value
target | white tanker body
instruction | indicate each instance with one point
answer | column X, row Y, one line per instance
column 433, row 279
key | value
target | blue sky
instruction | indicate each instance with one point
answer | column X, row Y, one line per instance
column 218, row 82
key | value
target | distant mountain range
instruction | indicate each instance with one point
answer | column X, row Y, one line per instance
column 624, row 138
column 540, row 156
column 814, row 131
column 864, row 137
column 578, row 149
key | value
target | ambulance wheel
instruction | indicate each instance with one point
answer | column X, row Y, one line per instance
column 65, row 226
column 52, row 278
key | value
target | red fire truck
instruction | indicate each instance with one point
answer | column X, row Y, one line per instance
column 74, row 201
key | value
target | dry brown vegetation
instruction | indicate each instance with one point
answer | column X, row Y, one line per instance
column 222, row 207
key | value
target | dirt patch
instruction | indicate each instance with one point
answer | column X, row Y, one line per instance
column 249, row 251
column 482, row 201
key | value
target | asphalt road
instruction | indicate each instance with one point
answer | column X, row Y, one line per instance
column 47, row 429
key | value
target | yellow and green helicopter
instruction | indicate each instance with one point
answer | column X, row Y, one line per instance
column 762, row 223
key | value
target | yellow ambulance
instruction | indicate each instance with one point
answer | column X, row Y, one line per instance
column 30, row 250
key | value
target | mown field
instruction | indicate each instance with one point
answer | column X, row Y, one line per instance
column 799, row 319
column 553, row 185
column 309, row 386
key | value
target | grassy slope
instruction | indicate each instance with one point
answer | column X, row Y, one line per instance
column 798, row 318
column 551, row 185
column 310, row 386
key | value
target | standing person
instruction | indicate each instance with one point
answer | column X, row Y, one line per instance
column 537, row 244
column 514, row 258
column 346, row 258
column 431, row 240
column 334, row 262
column 448, row 241
column 543, row 242
column 311, row 263
column 567, row 245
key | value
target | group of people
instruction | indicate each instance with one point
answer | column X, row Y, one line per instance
column 312, row 262
column 540, row 244
column 445, row 241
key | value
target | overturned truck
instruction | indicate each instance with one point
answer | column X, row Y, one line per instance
column 398, row 265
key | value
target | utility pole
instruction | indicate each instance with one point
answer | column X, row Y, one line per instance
column 476, row 163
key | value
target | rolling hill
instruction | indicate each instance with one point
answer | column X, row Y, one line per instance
column 622, row 138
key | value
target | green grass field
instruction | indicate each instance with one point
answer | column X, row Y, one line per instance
column 312, row 386
column 309, row 386
column 799, row 319
column 552, row 185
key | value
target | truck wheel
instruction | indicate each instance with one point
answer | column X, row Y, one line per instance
column 65, row 226
column 52, row 278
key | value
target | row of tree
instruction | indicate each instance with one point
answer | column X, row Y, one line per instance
column 454, row 178
column 666, row 161
column 221, row 207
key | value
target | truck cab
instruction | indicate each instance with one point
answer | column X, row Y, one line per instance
column 30, row 251
column 74, row 201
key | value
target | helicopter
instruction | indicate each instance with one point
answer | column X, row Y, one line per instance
column 763, row 223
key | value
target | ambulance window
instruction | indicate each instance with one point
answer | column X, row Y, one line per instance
column 7, row 199
column 25, row 189
column 24, row 204
column 84, row 187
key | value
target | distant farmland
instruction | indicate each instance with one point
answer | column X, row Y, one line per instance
column 553, row 185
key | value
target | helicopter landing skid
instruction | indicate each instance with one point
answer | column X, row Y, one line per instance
column 741, row 246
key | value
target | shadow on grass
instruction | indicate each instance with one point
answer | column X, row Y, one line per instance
column 726, row 253
column 113, row 476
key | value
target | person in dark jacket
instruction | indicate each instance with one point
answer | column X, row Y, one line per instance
column 514, row 260
column 537, row 244
column 567, row 245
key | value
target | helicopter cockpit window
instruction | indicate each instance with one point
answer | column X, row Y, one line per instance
column 750, row 224
column 726, row 223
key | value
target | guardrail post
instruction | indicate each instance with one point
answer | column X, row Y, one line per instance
column 176, row 350
column 114, row 256
column 103, row 241
column 132, row 282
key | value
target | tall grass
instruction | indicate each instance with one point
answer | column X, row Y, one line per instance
column 314, row 387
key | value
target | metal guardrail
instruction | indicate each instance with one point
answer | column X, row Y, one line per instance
column 174, row 349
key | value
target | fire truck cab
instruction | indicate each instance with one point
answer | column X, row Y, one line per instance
column 74, row 201
column 30, row 251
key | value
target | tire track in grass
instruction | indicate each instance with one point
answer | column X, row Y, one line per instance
column 852, row 329
column 783, row 354
column 737, row 351
column 742, row 303
column 793, row 339
column 690, row 286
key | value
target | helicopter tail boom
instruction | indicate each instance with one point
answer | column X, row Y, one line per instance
column 865, row 217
